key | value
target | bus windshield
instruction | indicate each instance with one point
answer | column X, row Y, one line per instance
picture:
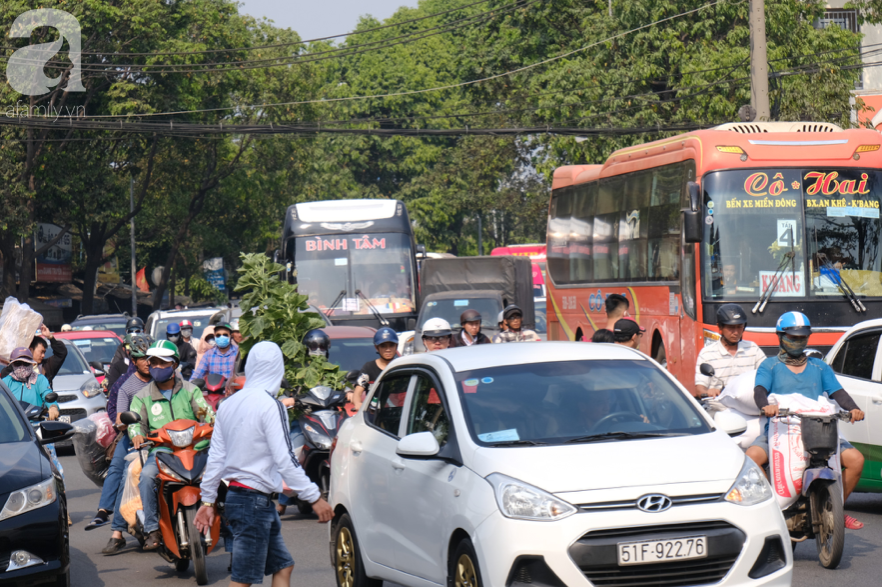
column 379, row 265
column 819, row 227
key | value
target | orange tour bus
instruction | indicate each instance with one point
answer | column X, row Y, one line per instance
column 774, row 216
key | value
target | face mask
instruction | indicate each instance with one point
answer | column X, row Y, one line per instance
column 162, row 374
column 318, row 352
column 186, row 332
column 793, row 346
column 222, row 341
column 174, row 337
column 22, row 372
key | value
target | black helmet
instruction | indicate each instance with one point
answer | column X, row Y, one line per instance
column 511, row 310
column 133, row 323
column 731, row 315
column 470, row 316
column 317, row 343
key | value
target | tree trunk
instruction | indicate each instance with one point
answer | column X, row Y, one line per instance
column 171, row 289
column 26, row 272
column 7, row 250
column 93, row 262
column 173, row 253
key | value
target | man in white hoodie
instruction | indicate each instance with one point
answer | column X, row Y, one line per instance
column 250, row 447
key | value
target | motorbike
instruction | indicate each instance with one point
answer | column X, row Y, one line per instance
column 214, row 388
column 818, row 512
column 180, row 473
column 323, row 414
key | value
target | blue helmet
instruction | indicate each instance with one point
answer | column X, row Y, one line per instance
column 173, row 328
column 795, row 323
column 385, row 334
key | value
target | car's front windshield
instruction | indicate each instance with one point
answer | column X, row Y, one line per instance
column 821, row 228
column 97, row 349
column 451, row 310
column 380, row 266
column 574, row 401
column 118, row 328
column 12, row 429
column 199, row 325
column 73, row 364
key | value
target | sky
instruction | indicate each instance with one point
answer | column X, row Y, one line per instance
column 320, row 18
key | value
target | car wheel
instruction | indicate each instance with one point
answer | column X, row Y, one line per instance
column 463, row 568
column 348, row 565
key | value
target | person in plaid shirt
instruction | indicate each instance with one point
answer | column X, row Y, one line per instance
column 221, row 358
column 513, row 318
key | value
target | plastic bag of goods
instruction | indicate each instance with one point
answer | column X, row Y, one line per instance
column 738, row 394
column 18, row 323
column 787, row 457
column 106, row 432
column 90, row 454
column 131, row 497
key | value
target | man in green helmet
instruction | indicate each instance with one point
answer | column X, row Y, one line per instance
column 165, row 399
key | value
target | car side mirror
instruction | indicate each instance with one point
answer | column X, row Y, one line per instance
column 51, row 397
column 419, row 445
column 96, row 365
column 692, row 229
column 730, row 423
column 706, row 369
column 51, row 432
column 129, row 418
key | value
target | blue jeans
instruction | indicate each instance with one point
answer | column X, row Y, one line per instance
column 149, row 497
column 119, row 523
column 113, row 480
column 258, row 547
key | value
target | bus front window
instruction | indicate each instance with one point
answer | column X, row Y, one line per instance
column 752, row 220
column 843, row 229
column 378, row 265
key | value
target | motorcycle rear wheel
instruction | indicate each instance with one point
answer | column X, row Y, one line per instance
column 828, row 507
column 197, row 553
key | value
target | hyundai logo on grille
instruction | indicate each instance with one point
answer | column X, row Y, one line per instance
column 654, row 503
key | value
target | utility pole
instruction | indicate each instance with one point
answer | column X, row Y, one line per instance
column 759, row 65
column 480, row 235
column 134, row 270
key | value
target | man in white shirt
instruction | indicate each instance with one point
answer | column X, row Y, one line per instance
column 250, row 447
column 730, row 356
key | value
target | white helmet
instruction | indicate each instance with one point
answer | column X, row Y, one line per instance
column 66, row 328
column 436, row 327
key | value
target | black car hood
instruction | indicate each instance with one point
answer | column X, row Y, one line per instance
column 21, row 465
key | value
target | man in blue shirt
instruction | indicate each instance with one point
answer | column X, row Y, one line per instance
column 792, row 371
column 222, row 358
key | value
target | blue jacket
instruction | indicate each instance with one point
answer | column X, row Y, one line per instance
column 35, row 395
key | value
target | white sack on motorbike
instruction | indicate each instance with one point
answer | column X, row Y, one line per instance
column 787, row 457
column 738, row 394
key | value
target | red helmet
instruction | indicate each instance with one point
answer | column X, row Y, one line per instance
column 186, row 324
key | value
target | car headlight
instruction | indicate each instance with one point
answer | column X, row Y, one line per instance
column 521, row 501
column 751, row 487
column 318, row 438
column 166, row 470
column 29, row 498
column 91, row 389
column 408, row 347
column 710, row 337
column 182, row 438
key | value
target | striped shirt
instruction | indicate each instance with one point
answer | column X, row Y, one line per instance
column 747, row 358
column 128, row 391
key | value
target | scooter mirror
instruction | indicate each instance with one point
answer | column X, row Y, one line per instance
column 51, row 397
column 706, row 369
column 352, row 376
column 129, row 418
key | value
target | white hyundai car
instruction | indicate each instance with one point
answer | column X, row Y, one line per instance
column 553, row 464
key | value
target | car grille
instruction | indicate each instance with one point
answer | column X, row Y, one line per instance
column 631, row 504
column 4, row 560
column 63, row 399
column 597, row 556
column 76, row 414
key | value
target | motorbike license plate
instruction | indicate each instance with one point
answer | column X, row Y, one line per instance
column 660, row 551
column 65, row 419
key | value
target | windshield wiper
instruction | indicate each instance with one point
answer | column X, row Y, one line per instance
column 335, row 302
column 836, row 277
column 790, row 256
column 622, row 435
column 518, row 443
column 372, row 308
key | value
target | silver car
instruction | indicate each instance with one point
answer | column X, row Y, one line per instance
column 79, row 393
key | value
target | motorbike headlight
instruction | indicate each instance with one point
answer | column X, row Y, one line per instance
column 408, row 347
column 166, row 470
column 522, row 501
column 317, row 437
column 751, row 487
column 29, row 498
column 91, row 389
column 182, row 438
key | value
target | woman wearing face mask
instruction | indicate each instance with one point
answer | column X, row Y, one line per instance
column 221, row 358
column 792, row 371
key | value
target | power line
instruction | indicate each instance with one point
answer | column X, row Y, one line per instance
column 425, row 90
column 287, row 44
